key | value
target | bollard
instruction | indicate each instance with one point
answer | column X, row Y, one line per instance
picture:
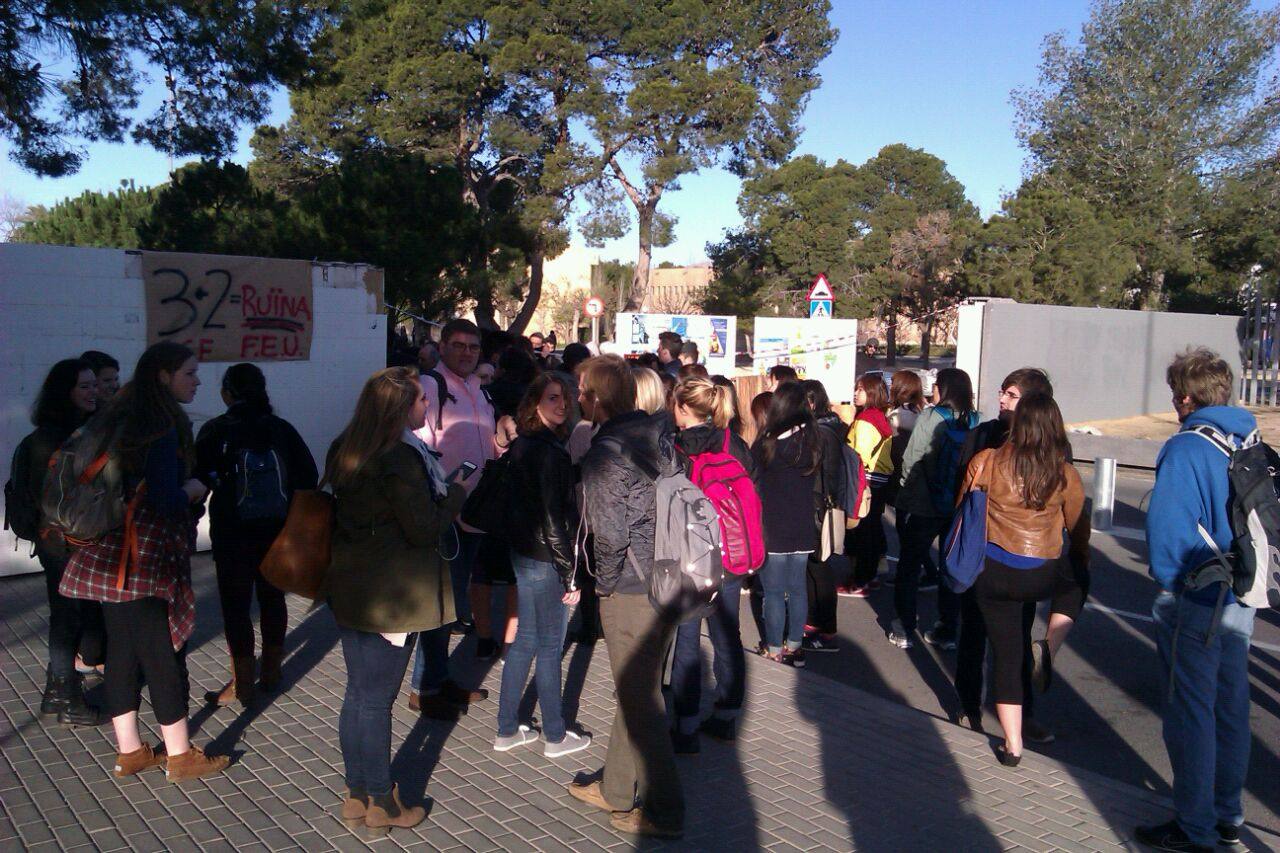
column 1104, row 492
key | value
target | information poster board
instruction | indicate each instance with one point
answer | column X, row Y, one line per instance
column 230, row 308
column 823, row 349
column 715, row 336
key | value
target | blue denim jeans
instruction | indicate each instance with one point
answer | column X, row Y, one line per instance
column 1206, row 710
column 431, row 660
column 728, row 663
column 786, row 600
column 375, row 669
column 543, row 619
column 460, row 569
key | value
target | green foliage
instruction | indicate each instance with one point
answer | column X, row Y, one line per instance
column 748, row 278
column 484, row 89
column 356, row 212
column 217, row 61
column 100, row 220
column 889, row 235
column 1050, row 247
column 1158, row 101
column 681, row 85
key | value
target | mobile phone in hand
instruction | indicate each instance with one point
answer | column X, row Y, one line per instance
column 462, row 472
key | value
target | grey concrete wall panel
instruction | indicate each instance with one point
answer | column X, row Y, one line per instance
column 1104, row 363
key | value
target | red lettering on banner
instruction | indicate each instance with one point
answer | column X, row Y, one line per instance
column 270, row 346
column 248, row 346
column 292, row 347
column 204, row 349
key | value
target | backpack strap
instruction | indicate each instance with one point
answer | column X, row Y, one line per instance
column 725, row 449
column 443, row 395
column 1215, row 438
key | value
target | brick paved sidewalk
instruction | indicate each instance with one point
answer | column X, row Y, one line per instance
column 818, row 766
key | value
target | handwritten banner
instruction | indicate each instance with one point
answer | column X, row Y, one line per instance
column 230, row 308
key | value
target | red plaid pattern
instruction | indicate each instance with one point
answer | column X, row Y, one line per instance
column 162, row 570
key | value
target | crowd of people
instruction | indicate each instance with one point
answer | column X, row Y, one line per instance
column 580, row 445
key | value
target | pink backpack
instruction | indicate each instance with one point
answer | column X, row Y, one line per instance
column 724, row 481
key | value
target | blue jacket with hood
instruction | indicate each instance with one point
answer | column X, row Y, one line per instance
column 1191, row 488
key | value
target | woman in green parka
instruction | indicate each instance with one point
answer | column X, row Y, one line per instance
column 387, row 580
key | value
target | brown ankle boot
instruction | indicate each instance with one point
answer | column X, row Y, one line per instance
column 354, row 807
column 129, row 763
column 193, row 764
column 387, row 811
column 239, row 688
column 272, row 658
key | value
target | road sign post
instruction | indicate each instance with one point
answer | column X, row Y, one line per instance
column 594, row 308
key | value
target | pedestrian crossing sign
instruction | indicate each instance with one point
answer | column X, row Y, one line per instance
column 820, row 298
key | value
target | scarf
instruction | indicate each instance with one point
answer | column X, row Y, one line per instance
column 435, row 474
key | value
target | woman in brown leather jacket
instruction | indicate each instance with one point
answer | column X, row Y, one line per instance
column 1033, row 496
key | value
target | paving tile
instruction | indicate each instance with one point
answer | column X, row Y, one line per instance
column 283, row 792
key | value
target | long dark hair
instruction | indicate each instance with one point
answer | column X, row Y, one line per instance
column 246, row 384
column 789, row 409
column 955, row 390
column 53, row 408
column 1038, row 445
column 145, row 409
column 816, row 394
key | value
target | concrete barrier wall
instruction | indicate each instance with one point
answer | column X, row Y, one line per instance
column 56, row 302
column 1104, row 363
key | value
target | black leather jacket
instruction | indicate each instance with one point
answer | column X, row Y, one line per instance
column 542, row 486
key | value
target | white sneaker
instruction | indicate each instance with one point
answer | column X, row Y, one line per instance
column 523, row 735
column 573, row 742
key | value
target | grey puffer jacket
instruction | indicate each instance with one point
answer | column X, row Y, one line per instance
column 618, row 500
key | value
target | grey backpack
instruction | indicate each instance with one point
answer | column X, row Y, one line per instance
column 84, row 496
column 688, row 570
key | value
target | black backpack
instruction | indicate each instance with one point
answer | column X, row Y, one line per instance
column 1251, row 568
column 21, row 510
column 258, row 476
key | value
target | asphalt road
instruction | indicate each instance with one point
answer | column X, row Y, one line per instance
column 1103, row 705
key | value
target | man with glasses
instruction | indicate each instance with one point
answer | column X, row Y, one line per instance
column 461, row 428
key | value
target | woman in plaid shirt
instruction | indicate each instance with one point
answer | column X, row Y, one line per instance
column 149, row 609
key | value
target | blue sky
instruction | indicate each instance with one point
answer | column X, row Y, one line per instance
column 932, row 74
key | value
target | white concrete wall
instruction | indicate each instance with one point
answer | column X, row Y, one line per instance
column 1104, row 363
column 56, row 302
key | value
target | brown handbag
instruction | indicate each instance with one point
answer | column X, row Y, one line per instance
column 299, row 558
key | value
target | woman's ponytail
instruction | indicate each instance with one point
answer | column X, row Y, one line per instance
column 722, row 408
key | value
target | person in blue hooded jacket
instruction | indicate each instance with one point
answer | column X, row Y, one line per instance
column 1203, row 655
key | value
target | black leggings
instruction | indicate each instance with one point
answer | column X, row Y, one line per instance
column 238, row 578
column 867, row 543
column 139, row 645
column 821, row 581
column 1001, row 591
column 73, row 624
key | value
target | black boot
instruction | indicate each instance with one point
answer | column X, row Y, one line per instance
column 55, row 694
column 78, row 712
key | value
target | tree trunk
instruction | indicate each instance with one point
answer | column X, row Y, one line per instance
column 531, row 299
column 891, row 334
column 926, row 338
column 1154, row 300
column 644, row 256
column 574, row 336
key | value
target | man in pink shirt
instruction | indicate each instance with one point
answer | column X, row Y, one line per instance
column 461, row 428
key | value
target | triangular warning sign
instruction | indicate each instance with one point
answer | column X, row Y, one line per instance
column 820, row 290
column 820, row 308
